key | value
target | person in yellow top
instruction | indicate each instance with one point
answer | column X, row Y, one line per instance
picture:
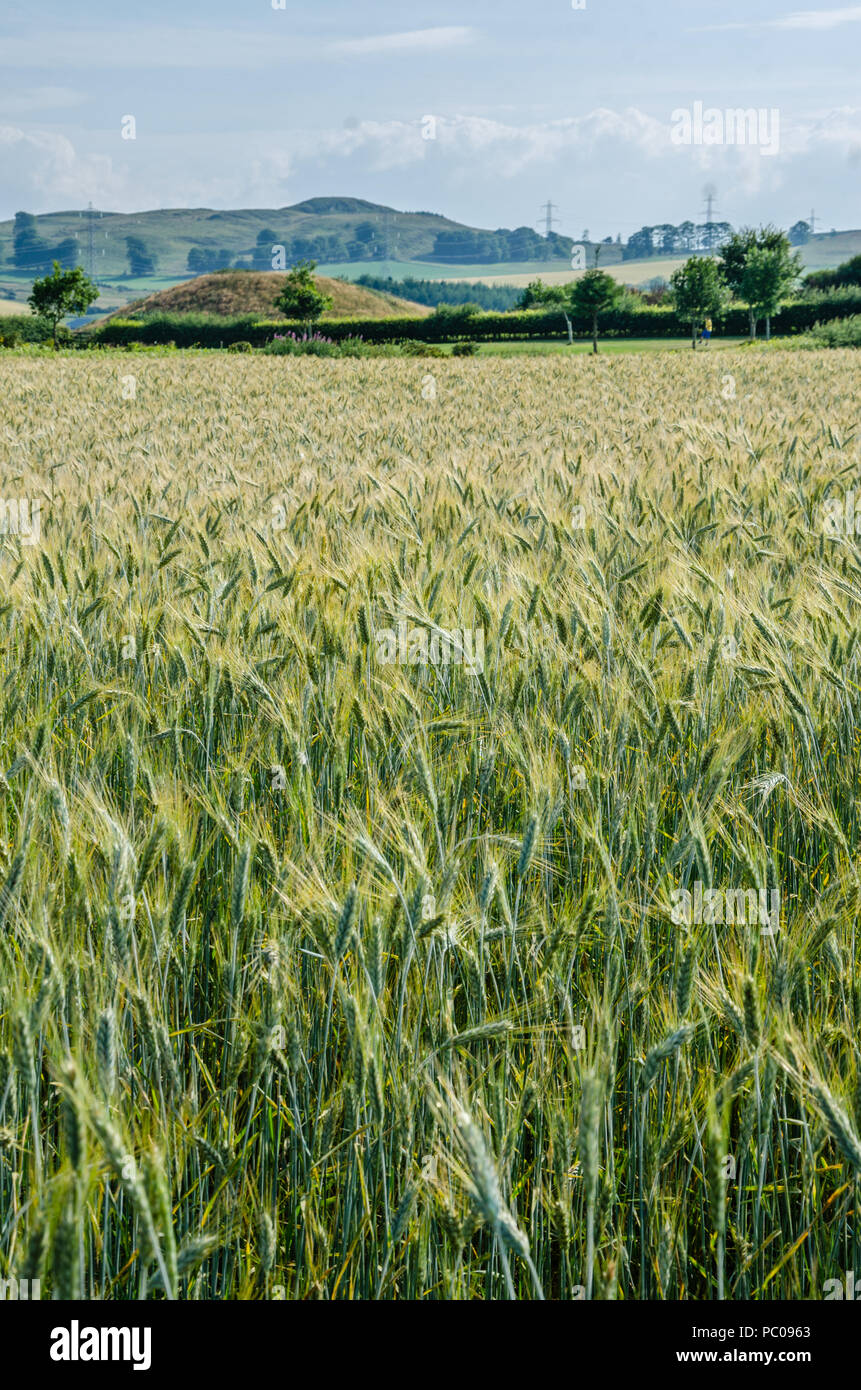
column 707, row 332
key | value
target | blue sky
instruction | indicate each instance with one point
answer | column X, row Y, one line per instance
column 244, row 105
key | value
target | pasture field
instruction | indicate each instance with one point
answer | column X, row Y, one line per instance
column 429, row 827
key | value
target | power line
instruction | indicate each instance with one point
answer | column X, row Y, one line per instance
column 547, row 210
column 709, row 193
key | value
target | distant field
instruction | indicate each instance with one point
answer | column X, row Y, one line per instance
column 431, row 270
column 635, row 273
column 826, row 251
column 821, row 253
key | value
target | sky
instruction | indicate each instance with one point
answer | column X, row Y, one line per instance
column 482, row 110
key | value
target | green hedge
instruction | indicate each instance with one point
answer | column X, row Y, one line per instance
column 26, row 328
column 648, row 321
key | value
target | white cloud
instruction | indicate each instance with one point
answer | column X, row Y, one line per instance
column 390, row 162
column 415, row 41
column 799, row 19
column 819, row 19
column 45, row 168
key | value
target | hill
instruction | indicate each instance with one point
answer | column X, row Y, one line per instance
column 331, row 230
column 230, row 293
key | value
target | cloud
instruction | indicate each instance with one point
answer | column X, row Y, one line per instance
column 414, row 41
column 46, row 168
column 799, row 19
column 472, row 161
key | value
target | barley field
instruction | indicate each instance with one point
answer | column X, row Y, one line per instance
column 365, row 725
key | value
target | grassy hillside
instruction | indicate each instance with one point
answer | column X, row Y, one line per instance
column 170, row 233
column 235, row 292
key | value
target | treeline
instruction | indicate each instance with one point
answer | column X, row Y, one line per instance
column 668, row 238
column 467, row 247
column 647, row 321
column 847, row 274
column 495, row 298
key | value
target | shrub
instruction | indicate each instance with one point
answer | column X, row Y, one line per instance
column 836, row 333
column 242, row 346
column 464, row 349
column 28, row 328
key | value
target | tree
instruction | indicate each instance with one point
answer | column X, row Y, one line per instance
column 66, row 252
column 202, row 261
column 537, row 295
column 849, row 273
column 61, row 293
column 760, row 281
column 639, row 244
column 770, row 273
column 300, row 298
column 593, row 294
column 799, row 234
column 262, row 257
column 698, row 292
column 141, row 260
column 29, row 250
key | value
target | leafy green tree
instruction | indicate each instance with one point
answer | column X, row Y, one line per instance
column 300, row 297
column 592, row 295
column 770, row 273
column 734, row 255
column 698, row 292
column 61, row 293
column 141, row 260
column 537, row 295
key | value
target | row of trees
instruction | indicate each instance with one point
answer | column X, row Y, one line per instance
column 470, row 247
column 36, row 255
column 666, row 237
column 757, row 267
